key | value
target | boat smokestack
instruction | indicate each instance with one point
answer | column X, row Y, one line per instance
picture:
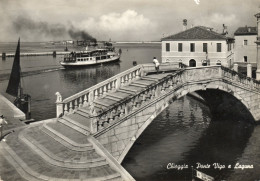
column 185, row 22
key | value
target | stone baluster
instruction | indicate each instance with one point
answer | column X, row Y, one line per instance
column 130, row 76
column 137, row 74
column 75, row 104
column 109, row 86
column 153, row 92
column 71, row 107
column 85, row 103
column 122, row 110
column 170, row 83
column 105, row 89
column 100, row 92
column 95, row 94
column 144, row 97
column 114, row 84
column 122, row 81
column 126, row 79
column 66, row 110
column 80, row 102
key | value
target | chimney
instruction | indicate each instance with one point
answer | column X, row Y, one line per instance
column 184, row 24
column 224, row 30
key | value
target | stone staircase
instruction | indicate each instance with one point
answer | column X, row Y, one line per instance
column 56, row 150
column 59, row 149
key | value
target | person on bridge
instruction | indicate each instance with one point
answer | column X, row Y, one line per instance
column 157, row 64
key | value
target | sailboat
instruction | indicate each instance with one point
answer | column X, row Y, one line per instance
column 14, row 88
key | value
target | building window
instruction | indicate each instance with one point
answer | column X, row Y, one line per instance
column 218, row 62
column 205, row 47
column 245, row 58
column 218, row 47
column 192, row 47
column 167, row 47
column 179, row 47
column 245, row 42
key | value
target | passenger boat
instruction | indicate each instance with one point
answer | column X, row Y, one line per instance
column 91, row 57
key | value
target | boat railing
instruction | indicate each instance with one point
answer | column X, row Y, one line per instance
column 87, row 97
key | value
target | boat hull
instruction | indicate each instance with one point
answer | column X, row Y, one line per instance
column 88, row 64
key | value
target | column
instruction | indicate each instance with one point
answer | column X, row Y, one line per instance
column 258, row 47
column 236, row 67
column 249, row 70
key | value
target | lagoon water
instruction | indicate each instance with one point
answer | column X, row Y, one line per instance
column 183, row 134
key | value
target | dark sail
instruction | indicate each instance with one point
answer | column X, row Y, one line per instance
column 14, row 81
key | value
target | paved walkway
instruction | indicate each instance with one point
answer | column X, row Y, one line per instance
column 61, row 149
column 12, row 114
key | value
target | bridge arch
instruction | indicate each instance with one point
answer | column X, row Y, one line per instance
column 118, row 138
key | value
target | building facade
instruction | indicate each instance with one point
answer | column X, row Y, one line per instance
column 245, row 47
column 198, row 46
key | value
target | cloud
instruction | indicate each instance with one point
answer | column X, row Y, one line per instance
column 216, row 20
column 128, row 25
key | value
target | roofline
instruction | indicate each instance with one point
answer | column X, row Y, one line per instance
column 241, row 34
column 194, row 39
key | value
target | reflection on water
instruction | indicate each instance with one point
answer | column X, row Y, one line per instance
column 185, row 133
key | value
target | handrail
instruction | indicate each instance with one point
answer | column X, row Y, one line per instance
column 100, row 84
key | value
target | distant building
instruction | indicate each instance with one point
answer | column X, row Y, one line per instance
column 198, row 46
column 245, row 47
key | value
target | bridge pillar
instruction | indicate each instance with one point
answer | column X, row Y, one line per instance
column 249, row 70
column 236, row 67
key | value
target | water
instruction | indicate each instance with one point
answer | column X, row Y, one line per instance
column 185, row 133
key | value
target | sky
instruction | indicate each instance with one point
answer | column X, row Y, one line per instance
column 118, row 20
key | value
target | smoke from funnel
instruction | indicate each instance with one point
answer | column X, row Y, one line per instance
column 31, row 30
column 80, row 35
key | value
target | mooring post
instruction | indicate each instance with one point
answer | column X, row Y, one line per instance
column 249, row 70
column 3, row 56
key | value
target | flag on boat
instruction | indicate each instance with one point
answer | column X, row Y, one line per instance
column 203, row 176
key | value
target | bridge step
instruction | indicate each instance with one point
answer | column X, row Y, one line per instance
column 119, row 95
column 138, row 85
column 104, row 102
column 80, row 119
column 57, row 161
column 144, row 82
column 150, row 79
column 127, row 91
column 85, row 110
column 68, row 136
column 64, row 142
column 81, row 113
column 74, row 125
column 113, row 98
column 35, row 168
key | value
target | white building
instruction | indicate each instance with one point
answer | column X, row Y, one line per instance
column 245, row 47
column 198, row 46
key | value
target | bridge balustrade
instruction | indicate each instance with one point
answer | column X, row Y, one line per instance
column 172, row 82
column 236, row 77
column 87, row 97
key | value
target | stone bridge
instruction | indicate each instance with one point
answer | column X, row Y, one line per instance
column 120, row 108
column 95, row 128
